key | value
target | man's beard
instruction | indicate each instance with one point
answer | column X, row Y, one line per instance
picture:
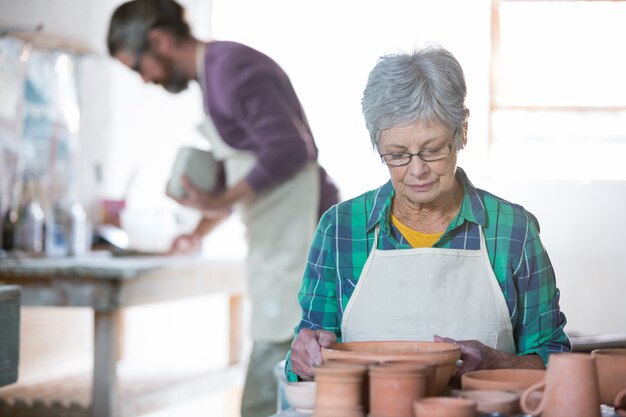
column 175, row 79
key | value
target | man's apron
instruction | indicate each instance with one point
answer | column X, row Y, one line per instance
column 280, row 224
column 414, row 294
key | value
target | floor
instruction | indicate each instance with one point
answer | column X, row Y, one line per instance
column 219, row 404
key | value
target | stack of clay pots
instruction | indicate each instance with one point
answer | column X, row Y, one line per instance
column 442, row 355
column 395, row 387
column 403, row 379
column 339, row 390
column 381, row 379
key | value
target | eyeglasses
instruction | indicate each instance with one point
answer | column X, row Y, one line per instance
column 398, row 159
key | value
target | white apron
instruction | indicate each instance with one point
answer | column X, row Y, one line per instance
column 280, row 224
column 414, row 294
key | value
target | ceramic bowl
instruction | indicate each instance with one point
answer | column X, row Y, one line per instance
column 489, row 401
column 611, row 368
column 502, row 379
column 442, row 354
column 199, row 165
column 301, row 395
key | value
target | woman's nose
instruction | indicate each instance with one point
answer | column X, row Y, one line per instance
column 417, row 167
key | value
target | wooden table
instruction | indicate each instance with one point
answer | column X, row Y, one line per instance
column 109, row 284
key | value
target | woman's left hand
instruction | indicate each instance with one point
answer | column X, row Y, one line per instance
column 476, row 356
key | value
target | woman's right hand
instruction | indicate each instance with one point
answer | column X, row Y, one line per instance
column 306, row 351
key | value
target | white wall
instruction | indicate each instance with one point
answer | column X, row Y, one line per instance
column 328, row 48
column 582, row 231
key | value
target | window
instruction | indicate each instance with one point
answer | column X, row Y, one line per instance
column 558, row 98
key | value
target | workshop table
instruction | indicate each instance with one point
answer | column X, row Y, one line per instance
column 109, row 284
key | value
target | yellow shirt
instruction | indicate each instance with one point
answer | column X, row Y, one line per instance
column 416, row 239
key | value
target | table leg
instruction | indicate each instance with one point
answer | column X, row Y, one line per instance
column 235, row 303
column 104, row 390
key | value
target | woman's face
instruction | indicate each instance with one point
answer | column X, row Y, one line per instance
column 420, row 183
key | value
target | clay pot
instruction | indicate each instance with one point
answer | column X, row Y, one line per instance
column 394, row 389
column 570, row 388
column 365, row 386
column 442, row 354
column 339, row 387
column 620, row 403
column 338, row 412
column 444, row 407
column 503, row 402
column 429, row 369
column 611, row 369
column 501, row 379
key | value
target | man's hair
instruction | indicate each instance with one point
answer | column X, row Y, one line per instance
column 131, row 22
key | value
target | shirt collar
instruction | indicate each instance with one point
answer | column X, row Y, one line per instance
column 472, row 207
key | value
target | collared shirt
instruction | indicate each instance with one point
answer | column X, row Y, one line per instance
column 345, row 237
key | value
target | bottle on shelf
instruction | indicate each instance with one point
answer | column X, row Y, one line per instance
column 29, row 227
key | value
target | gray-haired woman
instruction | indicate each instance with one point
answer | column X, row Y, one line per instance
column 427, row 255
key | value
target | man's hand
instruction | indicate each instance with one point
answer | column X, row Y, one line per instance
column 185, row 244
column 196, row 198
column 306, row 351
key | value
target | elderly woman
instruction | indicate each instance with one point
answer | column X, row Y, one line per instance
column 427, row 255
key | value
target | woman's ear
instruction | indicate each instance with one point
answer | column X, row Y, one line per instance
column 465, row 124
column 161, row 42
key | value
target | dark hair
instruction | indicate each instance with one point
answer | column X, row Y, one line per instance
column 131, row 22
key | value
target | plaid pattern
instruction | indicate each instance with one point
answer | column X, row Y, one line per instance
column 345, row 235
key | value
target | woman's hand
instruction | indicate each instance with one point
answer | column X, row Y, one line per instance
column 306, row 351
column 476, row 356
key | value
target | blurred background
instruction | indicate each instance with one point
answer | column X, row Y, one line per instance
column 546, row 91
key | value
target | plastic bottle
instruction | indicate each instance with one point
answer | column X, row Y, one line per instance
column 77, row 230
column 29, row 229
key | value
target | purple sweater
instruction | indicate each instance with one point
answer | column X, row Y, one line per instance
column 255, row 108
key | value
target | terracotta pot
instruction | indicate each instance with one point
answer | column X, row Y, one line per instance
column 444, row 407
column 366, row 386
column 338, row 412
column 611, row 369
column 489, row 401
column 442, row 354
column 394, row 389
column 620, row 403
column 339, row 386
column 501, row 379
column 570, row 388
column 429, row 369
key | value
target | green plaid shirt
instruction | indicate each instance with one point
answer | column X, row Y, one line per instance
column 345, row 237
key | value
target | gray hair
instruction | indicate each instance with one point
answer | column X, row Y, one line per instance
column 131, row 22
column 427, row 85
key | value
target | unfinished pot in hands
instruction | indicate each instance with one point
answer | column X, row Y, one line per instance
column 442, row 354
